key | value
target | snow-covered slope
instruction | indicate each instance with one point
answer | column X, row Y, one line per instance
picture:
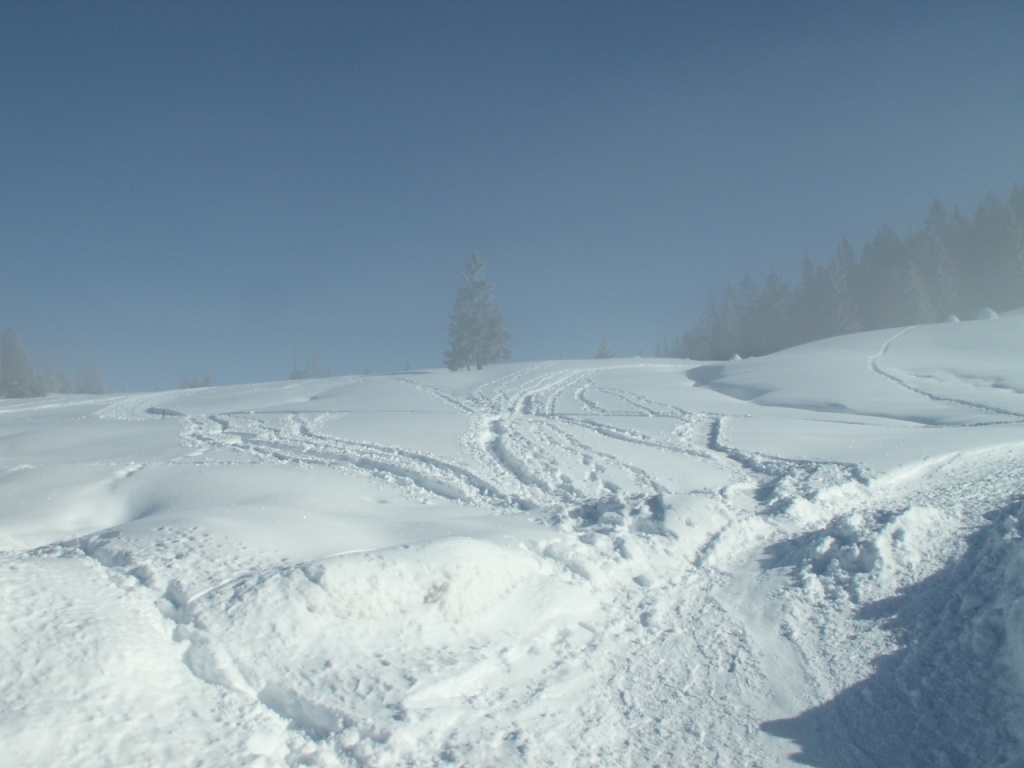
column 813, row 557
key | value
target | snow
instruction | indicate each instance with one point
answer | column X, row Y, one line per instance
column 810, row 558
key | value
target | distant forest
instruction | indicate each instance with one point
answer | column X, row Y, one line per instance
column 952, row 266
column 20, row 378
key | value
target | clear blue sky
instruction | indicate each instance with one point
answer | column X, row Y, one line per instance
column 191, row 186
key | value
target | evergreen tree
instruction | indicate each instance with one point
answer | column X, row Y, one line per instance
column 727, row 338
column 604, row 351
column 879, row 288
column 54, row 381
column 698, row 343
column 811, row 306
column 18, row 377
column 953, row 231
column 999, row 254
column 938, row 262
column 88, row 381
column 1017, row 202
column 840, row 275
column 192, row 382
column 933, row 272
column 773, row 316
column 314, row 370
column 477, row 332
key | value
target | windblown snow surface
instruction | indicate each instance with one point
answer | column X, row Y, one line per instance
column 810, row 558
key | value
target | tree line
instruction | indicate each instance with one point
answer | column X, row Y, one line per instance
column 952, row 265
column 20, row 378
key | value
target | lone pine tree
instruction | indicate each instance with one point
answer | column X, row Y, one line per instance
column 477, row 332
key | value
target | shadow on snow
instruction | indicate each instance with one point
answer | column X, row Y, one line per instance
column 947, row 697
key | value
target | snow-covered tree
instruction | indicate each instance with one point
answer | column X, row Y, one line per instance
column 604, row 351
column 477, row 333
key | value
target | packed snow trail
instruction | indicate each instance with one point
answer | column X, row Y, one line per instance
column 590, row 563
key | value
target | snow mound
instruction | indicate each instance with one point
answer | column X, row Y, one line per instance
column 364, row 655
column 870, row 556
column 456, row 578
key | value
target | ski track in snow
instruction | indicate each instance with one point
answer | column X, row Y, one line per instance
column 874, row 364
column 301, row 441
column 685, row 628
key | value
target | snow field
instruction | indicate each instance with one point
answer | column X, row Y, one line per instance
column 810, row 558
